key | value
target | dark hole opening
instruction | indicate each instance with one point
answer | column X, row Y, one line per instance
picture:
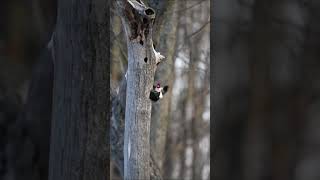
column 145, row 59
column 149, row 11
column 146, row 32
column 145, row 20
column 141, row 42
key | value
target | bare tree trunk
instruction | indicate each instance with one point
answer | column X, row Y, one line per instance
column 137, row 20
column 257, row 155
column 117, row 50
column 79, row 139
column 198, row 106
column 190, row 106
column 117, row 132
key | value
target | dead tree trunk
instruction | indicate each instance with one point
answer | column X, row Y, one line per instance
column 117, row 132
column 79, row 139
column 137, row 20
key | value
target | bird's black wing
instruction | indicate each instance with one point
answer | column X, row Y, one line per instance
column 165, row 89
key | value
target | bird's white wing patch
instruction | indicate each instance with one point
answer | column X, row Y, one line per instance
column 160, row 96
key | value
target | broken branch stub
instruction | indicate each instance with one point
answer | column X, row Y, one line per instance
column 137, row 17
column 138, row 20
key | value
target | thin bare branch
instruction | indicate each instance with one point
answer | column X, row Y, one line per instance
column 199, row 30
column 190, row 7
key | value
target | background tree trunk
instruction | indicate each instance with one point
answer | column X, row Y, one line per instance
column 166, row 25
column 79, row 142
column 258, row 125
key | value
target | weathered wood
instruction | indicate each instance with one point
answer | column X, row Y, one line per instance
column 137, row 20
column 80, row 117
column 117, row 132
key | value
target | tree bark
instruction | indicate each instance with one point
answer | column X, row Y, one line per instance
column 79, row 139
column 117, row 132
column 137, row 20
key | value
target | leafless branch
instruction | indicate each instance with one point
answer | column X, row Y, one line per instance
column 200, row 29
column 187, row 8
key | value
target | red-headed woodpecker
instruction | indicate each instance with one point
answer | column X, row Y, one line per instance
column 157, row 92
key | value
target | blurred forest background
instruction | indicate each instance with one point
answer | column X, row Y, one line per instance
column 180, row 125
column 267, row 80
column 25, row 64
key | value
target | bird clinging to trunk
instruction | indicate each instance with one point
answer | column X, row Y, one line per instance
column 157, row 92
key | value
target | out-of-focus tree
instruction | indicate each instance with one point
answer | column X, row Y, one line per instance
column 25, row 29
column 80, row 107
column 265, row 89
